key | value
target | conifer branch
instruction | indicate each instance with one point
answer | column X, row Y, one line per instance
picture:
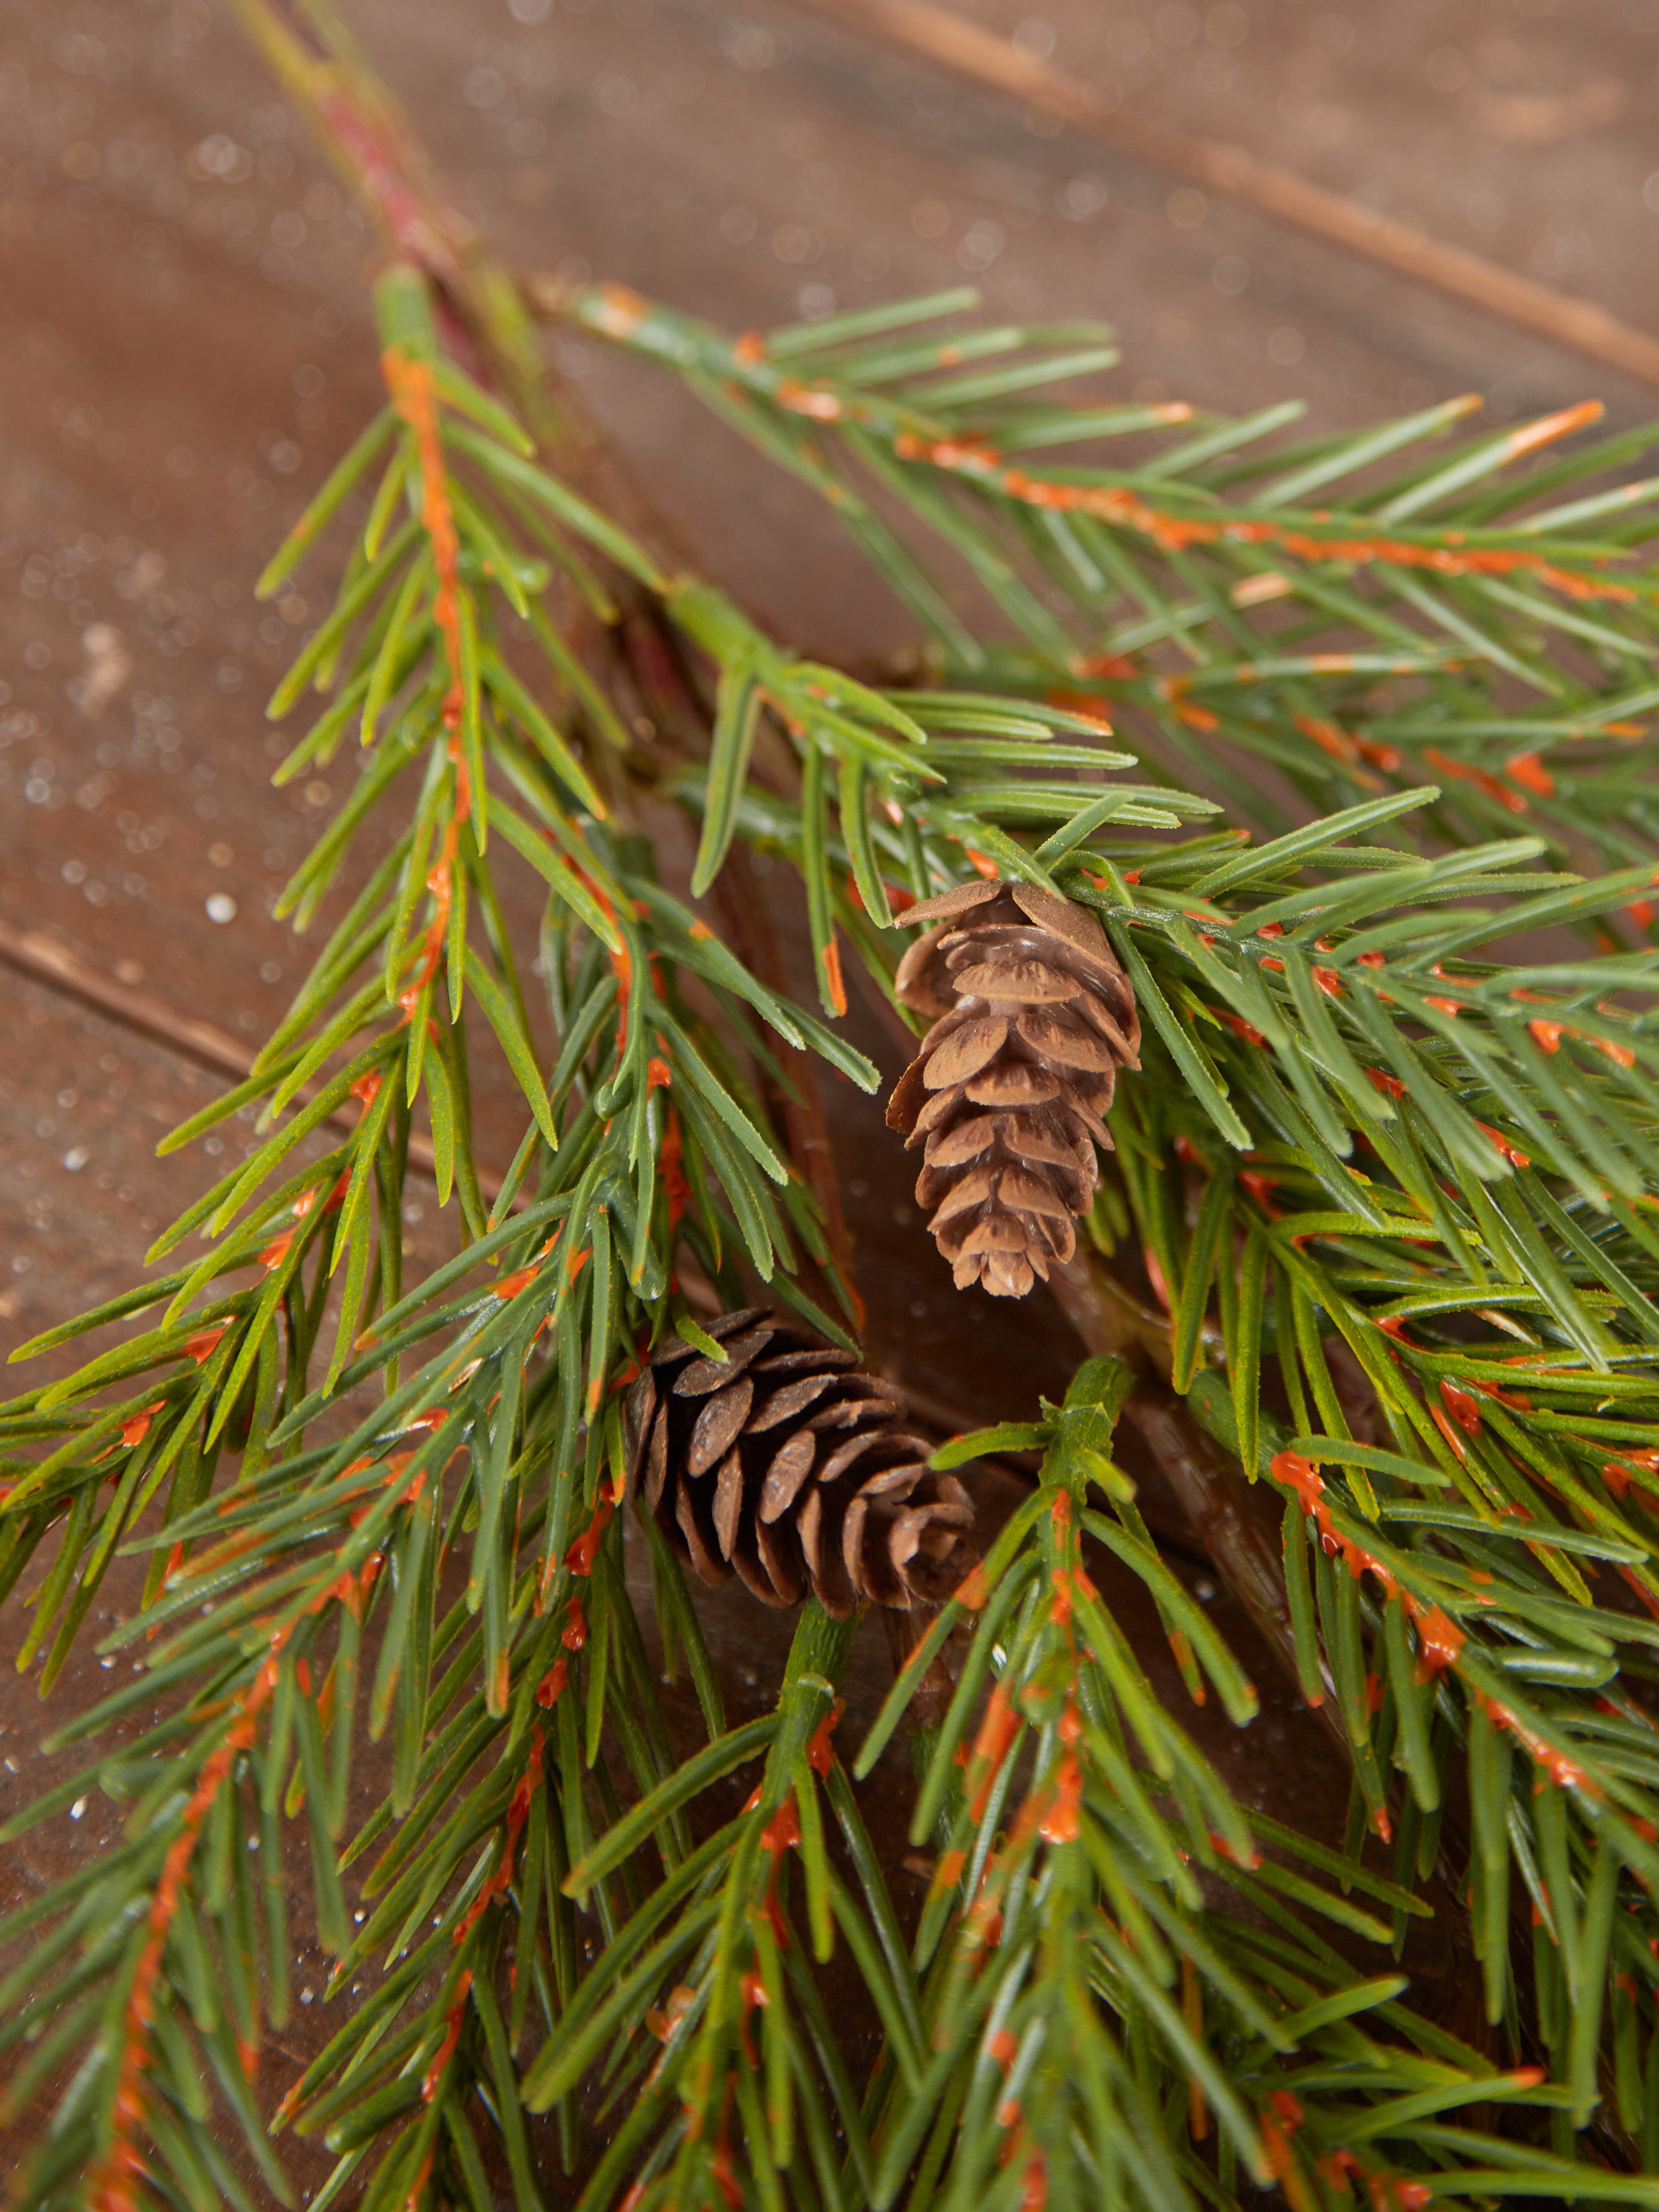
column 1379, row 1208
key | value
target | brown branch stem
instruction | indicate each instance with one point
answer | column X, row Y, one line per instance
column 798, row 1107
column 1209, row 1485
column 364, row 130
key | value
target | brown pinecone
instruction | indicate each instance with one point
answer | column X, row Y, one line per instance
column 792, row 1466
column 1010, row 1086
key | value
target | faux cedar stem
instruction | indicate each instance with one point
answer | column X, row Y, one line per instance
column 1217, row 1501
column 943, row 37
column 362, row 129
column 741, row 905
column 1225, row 1515
column 365, row 131
column 1209, row 1487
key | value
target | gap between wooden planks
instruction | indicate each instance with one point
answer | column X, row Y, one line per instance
column 935, row 35
column 43, row 958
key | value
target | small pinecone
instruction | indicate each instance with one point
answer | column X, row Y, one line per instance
column 1010, row 1086
column 792, row 1467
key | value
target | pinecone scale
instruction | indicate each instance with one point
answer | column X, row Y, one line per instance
column 1008, row 1094
column 788, row 1466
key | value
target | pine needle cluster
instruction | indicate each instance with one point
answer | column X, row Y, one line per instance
column 1396, row 1116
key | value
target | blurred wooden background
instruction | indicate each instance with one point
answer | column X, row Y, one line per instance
column 188, row 347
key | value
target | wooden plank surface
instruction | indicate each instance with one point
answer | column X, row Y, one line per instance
column 189, row 347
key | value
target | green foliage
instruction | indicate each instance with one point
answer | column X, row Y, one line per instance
column 1463, row 618
column 1384, row 1184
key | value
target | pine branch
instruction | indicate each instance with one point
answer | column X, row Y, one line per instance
column 1136, row 588
column 1075, row 2008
